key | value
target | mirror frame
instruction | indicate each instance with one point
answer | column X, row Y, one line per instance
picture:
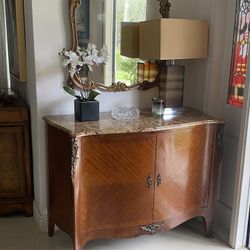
column 114, row 87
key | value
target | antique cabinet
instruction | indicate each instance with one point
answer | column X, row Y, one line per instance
column 127, row 178
column 15, row 169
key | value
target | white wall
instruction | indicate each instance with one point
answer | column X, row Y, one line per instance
column 206, row 81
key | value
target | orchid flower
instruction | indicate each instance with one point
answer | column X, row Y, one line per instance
column 75, row 62
column 72, row 60
column 89, row 56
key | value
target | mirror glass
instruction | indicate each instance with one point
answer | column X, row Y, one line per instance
column 99, row 22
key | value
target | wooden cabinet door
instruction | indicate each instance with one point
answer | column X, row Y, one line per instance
column 183, row 166
column 12, row 177
column 117, row 174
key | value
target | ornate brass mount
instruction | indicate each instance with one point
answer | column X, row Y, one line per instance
column 149, row 181
column 220, row 140
column 159, row 180
column 165, row 6
column 153, row 228
column 117, row 86
column 74, row 157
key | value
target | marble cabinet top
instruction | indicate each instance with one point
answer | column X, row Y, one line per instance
column 146, row 123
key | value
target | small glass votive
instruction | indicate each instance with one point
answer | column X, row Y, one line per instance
column 157, row 107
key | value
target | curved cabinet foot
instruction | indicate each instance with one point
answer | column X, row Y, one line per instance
column 78, row 245
column 207, row 220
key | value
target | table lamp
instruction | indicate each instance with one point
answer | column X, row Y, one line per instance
column 166, row 39
column 130, row 39
column 173, row 39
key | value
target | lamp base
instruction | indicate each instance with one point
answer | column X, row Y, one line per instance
column 172, row 85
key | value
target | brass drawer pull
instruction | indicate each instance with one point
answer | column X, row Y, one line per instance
column 150, row 181
column 158, row 180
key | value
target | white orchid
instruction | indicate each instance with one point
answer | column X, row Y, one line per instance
column 105, row 54
column 72, row 61
column 75, row 60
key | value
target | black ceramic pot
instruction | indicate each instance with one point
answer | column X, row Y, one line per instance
column 86, row 111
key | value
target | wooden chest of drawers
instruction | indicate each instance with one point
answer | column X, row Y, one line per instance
column 128, row 178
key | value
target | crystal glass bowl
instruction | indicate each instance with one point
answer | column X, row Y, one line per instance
column 125, row 113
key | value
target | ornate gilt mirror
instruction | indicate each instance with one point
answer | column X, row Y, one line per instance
column 99, row 22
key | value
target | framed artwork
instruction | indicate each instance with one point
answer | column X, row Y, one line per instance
column 16, row 38
column 238, row 69
column 83, row 22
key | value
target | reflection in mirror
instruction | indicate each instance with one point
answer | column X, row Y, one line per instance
column 90, row 21
column 99, row 22
column 125, row 68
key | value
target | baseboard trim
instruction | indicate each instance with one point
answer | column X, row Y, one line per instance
column 222, row 221
column 40, row 219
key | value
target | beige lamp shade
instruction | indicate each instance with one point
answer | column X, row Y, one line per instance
column 130, row 39
column 171, row 39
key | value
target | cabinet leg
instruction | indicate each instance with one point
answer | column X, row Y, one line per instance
column 207, row 220
column 78, row 247
column 51, row 226
column 79, row 244
column 28, row 209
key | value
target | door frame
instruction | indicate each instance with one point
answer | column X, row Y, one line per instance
column 4, row 46
column 240, row 211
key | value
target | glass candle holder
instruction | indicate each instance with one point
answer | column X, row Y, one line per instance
column 157, row 107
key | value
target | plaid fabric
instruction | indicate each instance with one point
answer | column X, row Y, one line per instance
column 146, row 71
column 153, row 72
column 140, row 71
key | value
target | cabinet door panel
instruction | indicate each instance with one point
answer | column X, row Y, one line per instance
column 115, row 171
column 183, row 162
column 12, row 177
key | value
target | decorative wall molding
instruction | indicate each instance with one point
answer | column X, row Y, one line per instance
column 222, row 220
column 41, row 220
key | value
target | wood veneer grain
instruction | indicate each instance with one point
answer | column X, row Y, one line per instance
column 16, row 188
column 106, row 186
